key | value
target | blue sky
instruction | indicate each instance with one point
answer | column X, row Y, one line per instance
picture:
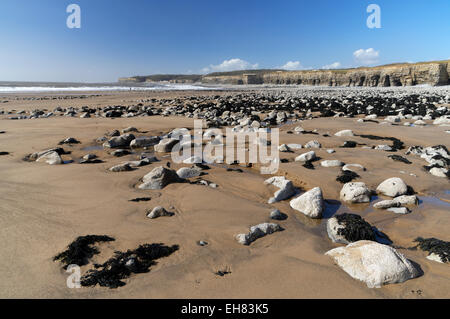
column 122, row 38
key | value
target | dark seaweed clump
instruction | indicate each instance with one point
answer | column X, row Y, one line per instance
column 123, row 264
column 396, row 143
column 81, row 250
column 4, row 153
column 349, row 144
column 140, row 199
column 308, row 165
column 356, row 228
column 347, row 176
column 435, row 246
column 399, row 158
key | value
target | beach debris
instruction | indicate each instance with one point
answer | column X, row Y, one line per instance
column 355, row 192
column 310, row 203
column 373, row 263
column 256, row 232
column 286, row 188
column 140, row 199
column 392, row 187
column 81, row 250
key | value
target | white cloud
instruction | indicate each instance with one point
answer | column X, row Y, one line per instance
column 230, row 65
column 335, row 65
column 366, row 57
column 292, row 65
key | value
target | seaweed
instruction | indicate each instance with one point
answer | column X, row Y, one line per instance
column 140, row 199
column 81, row 250
column 399, row 158
column 123, row 264
column 308, row 165
column 396, row 143
column 238, row 170
column 4, row 153
column 347, row 176
column 356, row 228
column 434, row 246
column 349, row 144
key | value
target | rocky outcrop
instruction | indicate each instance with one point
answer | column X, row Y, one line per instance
column 433, row 73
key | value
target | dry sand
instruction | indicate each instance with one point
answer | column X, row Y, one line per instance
column 43, row 208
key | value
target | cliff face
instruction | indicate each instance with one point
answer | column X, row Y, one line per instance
column 433, row 73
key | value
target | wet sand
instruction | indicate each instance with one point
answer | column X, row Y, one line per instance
column 43, row 208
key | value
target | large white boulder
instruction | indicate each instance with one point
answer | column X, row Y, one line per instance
column 309, row 203
column 373, row 263
column 355, row 192
column 393, row 187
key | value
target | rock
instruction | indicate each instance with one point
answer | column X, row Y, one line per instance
column 193, row 160
column 144, row 141
column 331, row 151
column 353, row 167
column 120, row 152
column 159, row 178
column 345, row 133
column 399, row 210
column 349, row 144
column 420, row 122
column 286, row 188
column 158, row 212
column 439, row 172
column 166, row 145
column 51, row 158
column 69, row 140
column 305, row 157
column 129, row 130
column 355, row 192
column 124, row 167
column 89, row 157
column 347, row 228
column 277, row 215
column 188, row 172
column 393, row 187
column 439, row 250
column 384, row 204
column 310, row 203
column 256, row 232
column 35, row 156
column 407, row 200
column 373, row 263
column 119, row 141
column 143, row 162
column 313, row 144
column 295, row 146
column 445, row 119
column 386, row 148
column 331, row 163
column 284, row 148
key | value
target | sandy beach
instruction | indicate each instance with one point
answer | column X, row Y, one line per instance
column 43, row 208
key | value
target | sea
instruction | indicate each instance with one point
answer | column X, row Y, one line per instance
column 54, row 87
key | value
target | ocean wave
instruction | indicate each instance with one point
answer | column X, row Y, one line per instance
column 159, row 87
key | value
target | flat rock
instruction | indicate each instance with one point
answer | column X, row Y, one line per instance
column 345, row 133
column 189, row 172
column 313, row 144
column 144, row 141
column 119, row 141
column 51, row 158
column 353, row 167
column 331, row 163
column 158, row 212
column 166, row 145
column 305, row 157
column 124, row 167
